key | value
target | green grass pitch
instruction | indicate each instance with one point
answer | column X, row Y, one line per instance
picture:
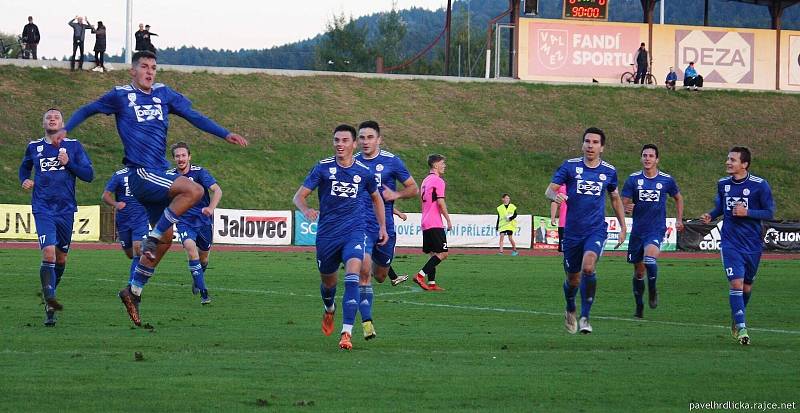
column 494, row 341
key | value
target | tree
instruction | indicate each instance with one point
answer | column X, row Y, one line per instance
column 9, row 45
column 392, row 32
column 344, row 47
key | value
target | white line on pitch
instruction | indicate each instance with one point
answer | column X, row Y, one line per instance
column 478, row 308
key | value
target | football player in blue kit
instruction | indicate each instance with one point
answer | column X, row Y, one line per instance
column 340, row 181
column 196, row 226
column 743, row 200
column 644, row 195
column 388, row 168
column 588, row 179
column 56, row 161
column 142, row 110
column 130, row 217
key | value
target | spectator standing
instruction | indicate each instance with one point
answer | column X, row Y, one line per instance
column 148, row 44
column 99, row 46
column 672, row 77
column 79, row 26
column 691, row 80
column 139, row 37
column 641, row 65
column 31, row 37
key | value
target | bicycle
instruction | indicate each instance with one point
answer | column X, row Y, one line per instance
column 629, row 77
column 13, row 50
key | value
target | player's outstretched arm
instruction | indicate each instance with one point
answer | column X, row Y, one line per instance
column 236, row 139
column 300, row 202
column 619, row 210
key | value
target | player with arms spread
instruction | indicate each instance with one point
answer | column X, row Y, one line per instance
column 142, row 110
column 587, row 179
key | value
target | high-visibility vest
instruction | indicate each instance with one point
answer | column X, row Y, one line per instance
column 504, row 212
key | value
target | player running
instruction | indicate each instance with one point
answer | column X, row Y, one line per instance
column 388, row 168
column 341, row 180
column 130, row 217
column 744, row 200
column 56, row 161
column 434, row 237
column 196, row 226
column 142, row 111
column 587, row 180
column 645, row 196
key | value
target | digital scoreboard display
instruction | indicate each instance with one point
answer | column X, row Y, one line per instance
column 586, row 9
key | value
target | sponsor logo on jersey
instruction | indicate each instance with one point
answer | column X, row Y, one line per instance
column 731, row 201
column 649, row 195
column 50, row 164
column 344, row 189
column 148, row 112
column 589, row 187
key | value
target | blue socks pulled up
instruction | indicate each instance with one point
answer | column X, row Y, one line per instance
column 365, row 303
column 588, row 287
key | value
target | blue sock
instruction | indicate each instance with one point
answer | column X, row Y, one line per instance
column 59, row 270
column 167, row 219
column 638, row 290
column 350, row 299
column 737, row 307
column 47, row 276
column 569, row 295
column 365, row 303
column 328, row 295
column 588, row 287
column 140, row 278
column 197, row 274
column 134, row 263
column 651, row 265
column 746, row 297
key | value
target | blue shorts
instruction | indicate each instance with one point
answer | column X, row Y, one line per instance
column 332, row 252
column 54, row 230
column 126, row 235
column 740, row 265
column 151, row 189
column 637, row 243
column 575, row 248
column 202, row 235
column 382, row 255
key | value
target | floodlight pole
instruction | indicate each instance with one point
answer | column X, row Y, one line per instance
column 661, row 10
column 128, row 31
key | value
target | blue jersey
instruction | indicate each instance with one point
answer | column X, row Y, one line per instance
column 194, row 216
column 54, row 183
column 142, row 121
column 649, row 196
column 133, row 212
column 341, row 209
column 743, row 234
column 586, row 189
column 388, row 169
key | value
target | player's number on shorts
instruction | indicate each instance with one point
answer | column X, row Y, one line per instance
column 729, row 271
column 41, row 239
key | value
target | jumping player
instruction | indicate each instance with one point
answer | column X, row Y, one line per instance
column 587, row 180
column 142, row 111
column 56, row 162
column 644, row 195
column 341, row 180
column 744, row 200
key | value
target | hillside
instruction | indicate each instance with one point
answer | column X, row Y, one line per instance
column 498, row 137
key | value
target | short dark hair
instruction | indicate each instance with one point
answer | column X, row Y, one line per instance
column 370, row 124
column 433, row 158
column 346, row 128
column 55, row 109
column 144, row 54
column 595, row 131
column 649, row 146
column 691, row 63
column 642, row 44
column 505, row 195
column 179, row 145
column 744, row 154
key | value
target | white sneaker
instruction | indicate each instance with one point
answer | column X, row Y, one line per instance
column 584, row 325
column 570, row 323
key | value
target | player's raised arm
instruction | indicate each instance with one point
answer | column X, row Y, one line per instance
column 182, row 107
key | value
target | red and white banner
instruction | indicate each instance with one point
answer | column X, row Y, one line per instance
column 252, row 227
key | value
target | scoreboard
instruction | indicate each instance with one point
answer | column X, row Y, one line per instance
column 586, row 9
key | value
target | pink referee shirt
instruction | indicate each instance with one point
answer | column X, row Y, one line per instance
column 562, row 209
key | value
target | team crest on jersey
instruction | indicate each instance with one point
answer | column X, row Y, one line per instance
column 156, row 100
column 746, row 192
column 659, row 186
column 39, row 148
column 131, row 99
column 589, row 187
column 649, row 195
column 727, row 188
column 731, row 201
column 344, row 189
column 148, row 112
column 640, row 182
column 357, row 179
column 379, row 167
column 332, row 171
column 50, row 164
column 602, row 177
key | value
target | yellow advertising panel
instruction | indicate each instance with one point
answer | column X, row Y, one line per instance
column 587, row 51
column 16, row 222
